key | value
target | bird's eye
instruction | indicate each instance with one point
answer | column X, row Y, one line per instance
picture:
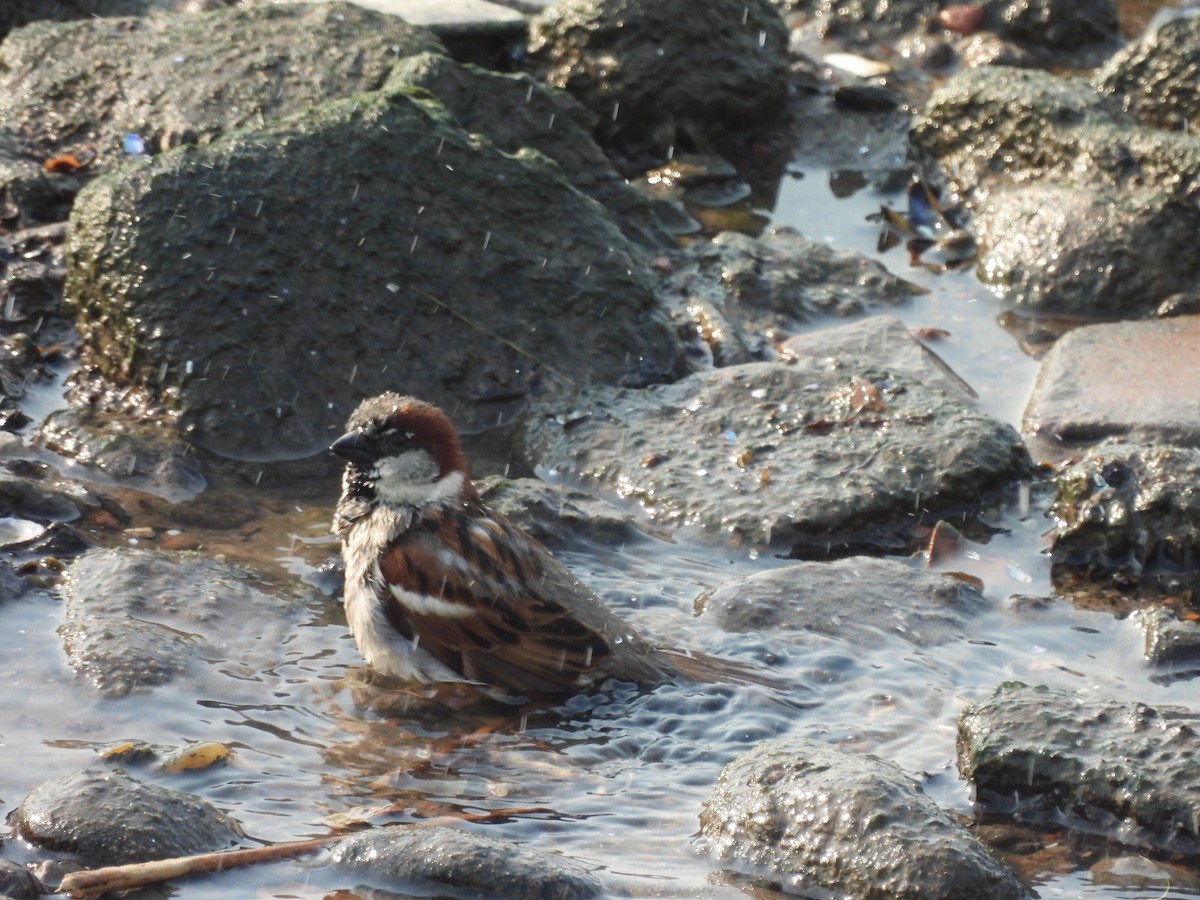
column 393, row 440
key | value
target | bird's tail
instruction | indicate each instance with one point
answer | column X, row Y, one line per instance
column 714, row 670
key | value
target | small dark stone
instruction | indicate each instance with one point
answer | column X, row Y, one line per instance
column 109, row 818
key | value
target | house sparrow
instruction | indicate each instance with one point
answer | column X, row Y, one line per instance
column 441, row 588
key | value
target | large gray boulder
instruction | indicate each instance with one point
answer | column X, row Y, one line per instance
column 258, row 287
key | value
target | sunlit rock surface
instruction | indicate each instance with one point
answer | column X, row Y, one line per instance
column 669, row 74
column 736, row 289
column 822, row 457
column 558, row 514
column 1132, row 379
column 989, row 126
column 1155, row 75
column 864, row 600
column 428, row 858
column 1172, row 643
column 1130, row 510
column 260, row 286
column 138, row 454
column 137, row 619
column 108, row 818
column 515, row 111
column 818, row 818
column 1126, row 770
column 1087, row 251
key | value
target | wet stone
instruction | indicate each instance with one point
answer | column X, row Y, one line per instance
column 818, row 458
column 515, row 111
column 17, row 883
column 862, row 599
column 666, row 74
column 735, row 287
column 894, row 345
column 994, row 124
column 127, row 75
column 818, row 818
column 1130, row 510
column 1100, row 253
column 137, row 619
column 137, row 454
column 1125, row 770
column 1171, row 643
column 557, row 514
column 109, row 818
column 439, row 858
column 1128, row 378
column 425, row 268
column 1155, row 75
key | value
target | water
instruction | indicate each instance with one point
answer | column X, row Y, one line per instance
column 616, row 780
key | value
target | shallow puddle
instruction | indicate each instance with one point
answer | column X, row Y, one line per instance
column 615, row 780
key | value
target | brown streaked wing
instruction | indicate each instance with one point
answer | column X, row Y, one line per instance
column 522, row 636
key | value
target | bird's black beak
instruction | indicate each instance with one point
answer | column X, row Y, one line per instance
column 354, row 447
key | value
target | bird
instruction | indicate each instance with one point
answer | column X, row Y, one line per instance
column 441, row 588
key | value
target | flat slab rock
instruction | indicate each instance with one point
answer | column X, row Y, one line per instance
column 1125, row 378
column 820, row 820
column 109, row 818
column 1125, row 770
column 864, row 599
column 813, row 459
column 436, row 857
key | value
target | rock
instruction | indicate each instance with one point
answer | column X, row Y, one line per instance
column 821, row 819
column 992, row 125
column 557, row 514
column 1126, row 378
column 155, row 77
column 515, row 111
column 262, row 329
column 1130, row 509
column 1047, row 28
column 823, row 457
column 1126, row 770
column 21, row 12
column 1058, row 25
column 110, row 819
column 670, row 74
column 1103, row 253
column 438, row 858
column 17, row 882
column 1171, row 643
column 891, row 343
column 138, row 454
column 1155, row 76
column 736, row 286
column 137, row 619
column 864, row 600
column 27, row 499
